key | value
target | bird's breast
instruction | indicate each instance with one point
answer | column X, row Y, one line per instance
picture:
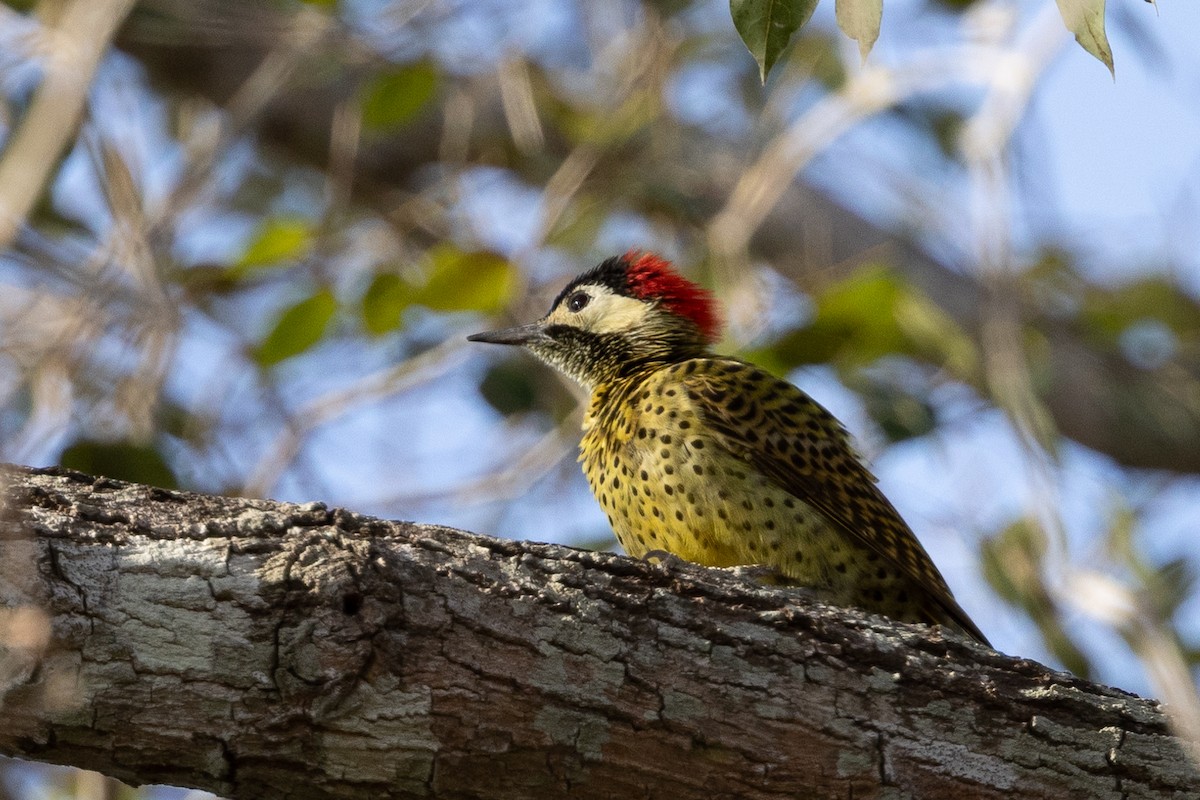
column 666, row 483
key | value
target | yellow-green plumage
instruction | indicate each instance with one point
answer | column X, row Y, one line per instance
column 719, row 462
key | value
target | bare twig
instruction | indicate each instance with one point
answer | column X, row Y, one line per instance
column 73, row 52
column 514, row 478
column 323, row 409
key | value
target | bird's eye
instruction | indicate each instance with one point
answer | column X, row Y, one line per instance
column 577, row 301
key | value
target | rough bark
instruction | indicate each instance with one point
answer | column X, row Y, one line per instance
column 259, row 649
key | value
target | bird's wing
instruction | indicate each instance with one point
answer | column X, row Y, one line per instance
column 789, row 437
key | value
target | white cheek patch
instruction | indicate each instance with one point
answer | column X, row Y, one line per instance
column 613, row 313
column 605, row 312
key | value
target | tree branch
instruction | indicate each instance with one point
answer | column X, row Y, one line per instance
column 258, row 649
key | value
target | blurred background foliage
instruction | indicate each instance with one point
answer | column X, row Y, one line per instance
column 243, row 241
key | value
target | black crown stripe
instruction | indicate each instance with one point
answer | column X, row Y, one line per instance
column 612, row 273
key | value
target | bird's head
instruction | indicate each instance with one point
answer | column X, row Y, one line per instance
column 628, row 311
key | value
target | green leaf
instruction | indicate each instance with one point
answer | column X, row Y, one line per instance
column 1085, row 19
column 467, row 281
column 393, row 98
column 1108, row 312
column 855, row 322
column 298, row 328
column 508, row 387
column 1169, row 587
column 455, row 280
column 121, row 460
column 766, row 27
column 277, row 240
column 873, row 314
column 1012, row 562
column 822, row 57
column 859, row 19
column 899, row 411
column 384, row 303
column 958, row 5
column 932, row 333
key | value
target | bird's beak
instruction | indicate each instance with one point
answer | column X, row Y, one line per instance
column 522, row 334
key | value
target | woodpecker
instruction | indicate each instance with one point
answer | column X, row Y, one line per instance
column 715, row 460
